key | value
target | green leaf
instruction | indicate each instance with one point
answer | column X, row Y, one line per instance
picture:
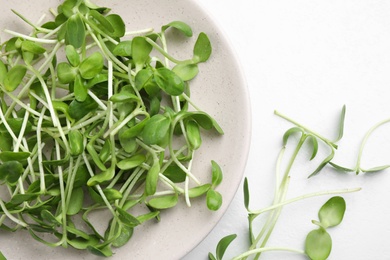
column 332, row 212
column 76, row 199
column 60, row 106
column 95, row 196
column 112, row 194
column 78, row 110
column 199, row 190
column 202, row 48
column 18, row 199
column 376, row 169
column 168, row 81
column 181, row 26
column 2, row 257
column 16, row 126
column 127, row 219
column 75, row 31
column 145, row 80
column 124, row 96
column 148, row 216
column 314, row 144
column 76, row 142
column 193, row 134
column 101, row 177
column 100, row 78
column 105, row 152
column 246, row 194
column 341, row 124
column 323, row 164
column 140, row 51
column 117, row 24
column 155, row 130
column 126, row 233
column 49, row 218
column 82, row 243
column 127, row 141
column 11, row 171
column 67, row 7
column 212, row 257
column 217, row 175
column 223, row 244
column 101, row 22
column 32, row 47
column 7, row 156
column 318, row 244
column 132, row 162
column 340, row 168
column 80, row 89
column 164, row 202
column 290, row 132
column 175, row 173
column 6, row 142
column 72, row 55
column 82, row 176
column 213, row 199
column 66, row 73
column 205, row 121
column 122, row 49
column 14, row 77
column 152, row 179
column 104, row 251
column 3, row 72
column 91, row 66
column 186, row 71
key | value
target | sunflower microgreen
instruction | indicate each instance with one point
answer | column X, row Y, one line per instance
column 97, row 128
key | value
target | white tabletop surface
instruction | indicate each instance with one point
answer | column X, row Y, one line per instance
column 307, row 58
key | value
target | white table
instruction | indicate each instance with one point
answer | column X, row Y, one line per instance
column 307, row 59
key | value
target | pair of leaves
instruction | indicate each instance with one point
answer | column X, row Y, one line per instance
column 202, row 48
column 10, row 171
column 318, row 243
column 78, row 72
column 313, row 137
column 13, row 78
column 161, row 78
column 213, row 197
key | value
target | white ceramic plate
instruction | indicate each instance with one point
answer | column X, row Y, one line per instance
column 219, row 89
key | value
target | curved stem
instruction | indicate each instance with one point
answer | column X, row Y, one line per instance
column 306, row 196
column 265, row 249
column 279, row 197
column 364, row 141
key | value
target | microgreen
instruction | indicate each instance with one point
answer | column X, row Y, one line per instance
column 318, row 243
column 107, row 125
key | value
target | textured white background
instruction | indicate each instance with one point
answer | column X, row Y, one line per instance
column 307, row 58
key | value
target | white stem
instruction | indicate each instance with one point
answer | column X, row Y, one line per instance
column 34, row 39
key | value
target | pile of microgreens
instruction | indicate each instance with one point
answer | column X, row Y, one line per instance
column 94, row 118
column 318, row 242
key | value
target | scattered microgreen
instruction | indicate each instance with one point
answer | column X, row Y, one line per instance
column 91, row 120
column 318, row 243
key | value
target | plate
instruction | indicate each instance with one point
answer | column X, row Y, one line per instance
column 219, row 89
